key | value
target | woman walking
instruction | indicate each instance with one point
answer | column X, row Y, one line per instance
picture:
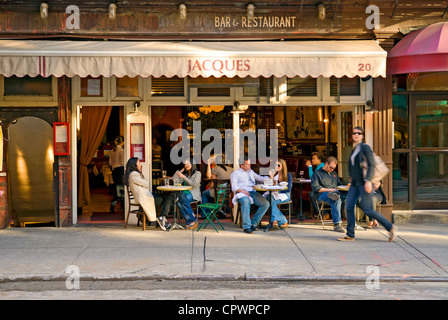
column 361, row 187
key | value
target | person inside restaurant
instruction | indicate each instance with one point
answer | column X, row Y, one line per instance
column 324, row 183
column 317, row 160
column 242, row 181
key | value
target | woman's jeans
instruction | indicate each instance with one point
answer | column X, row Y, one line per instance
column 261, row 202
column 354, row 193
column 277, row 215
column 183, row 203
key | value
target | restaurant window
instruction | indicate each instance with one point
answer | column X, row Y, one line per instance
column 167, row 87
column 92, row 87
column 400, row 122
column 28, row 86
column 302, row 87
column 127, row 87
column 427, row 81
column 213, row 91
column 261, row 86
column 348, row 86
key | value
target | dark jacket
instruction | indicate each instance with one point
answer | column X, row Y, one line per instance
column 355, row 170
column 323, row 179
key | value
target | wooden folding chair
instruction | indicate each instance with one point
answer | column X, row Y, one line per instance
column 138, row 211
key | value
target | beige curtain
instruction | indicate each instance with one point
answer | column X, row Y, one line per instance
column 93, row 126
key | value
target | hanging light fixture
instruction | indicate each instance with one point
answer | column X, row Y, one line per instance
column 112, row 11
column 182, row 11
column 44, row 10
column 322, row 11
column 250, row 11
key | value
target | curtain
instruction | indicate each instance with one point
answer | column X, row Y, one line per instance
column 93, row 127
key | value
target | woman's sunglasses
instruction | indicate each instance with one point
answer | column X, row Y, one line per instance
column 357, row 133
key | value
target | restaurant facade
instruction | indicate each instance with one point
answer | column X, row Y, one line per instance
column 75, row 76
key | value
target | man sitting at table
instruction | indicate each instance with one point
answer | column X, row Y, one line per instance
column 324, row 183
column 242, row 181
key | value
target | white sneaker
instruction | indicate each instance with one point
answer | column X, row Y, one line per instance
column 393, row 233
column 162, row 221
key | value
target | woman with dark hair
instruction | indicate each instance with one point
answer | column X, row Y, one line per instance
column 139, row 186
column 192, row 177
column 361, row 187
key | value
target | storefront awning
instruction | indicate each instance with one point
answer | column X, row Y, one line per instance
column 424, row 50
column 260, row 58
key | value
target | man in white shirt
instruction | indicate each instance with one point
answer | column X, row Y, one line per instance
column 242, row 181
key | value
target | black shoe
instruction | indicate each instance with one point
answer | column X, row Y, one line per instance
column 112, row 208
column 254, row 228
column 249, row 230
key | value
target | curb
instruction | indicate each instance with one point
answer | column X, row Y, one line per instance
column 336, row 278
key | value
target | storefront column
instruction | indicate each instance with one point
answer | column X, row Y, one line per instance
column 4, row 216
column 63, row 180
column 382, row 134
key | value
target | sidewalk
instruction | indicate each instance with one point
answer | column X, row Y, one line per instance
column 304, row 251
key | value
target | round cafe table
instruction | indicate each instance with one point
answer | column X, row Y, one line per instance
column 175, row 190
column 270, row 189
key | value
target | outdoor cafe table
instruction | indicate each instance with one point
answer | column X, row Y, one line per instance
column 301, row 182
column 263, row 188
column 175, row 190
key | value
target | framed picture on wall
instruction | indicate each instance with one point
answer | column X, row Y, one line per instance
column 138, row 141
column 305, row 123
column 61, row 138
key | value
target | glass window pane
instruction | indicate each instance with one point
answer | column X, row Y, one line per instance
column 427, row 81
column 432, row 177
column 432, row 123
column 167, row 87
column 302, row 87
column 401, row 123
column 400, row 177
column 349, row 86
column 28, row 86
column 92, row 87
column 127, row 87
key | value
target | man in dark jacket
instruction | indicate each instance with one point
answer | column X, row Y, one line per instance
column 324, row 183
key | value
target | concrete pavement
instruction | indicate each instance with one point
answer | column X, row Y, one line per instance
column 302, row 252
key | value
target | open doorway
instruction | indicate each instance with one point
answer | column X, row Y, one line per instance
column 100, row 195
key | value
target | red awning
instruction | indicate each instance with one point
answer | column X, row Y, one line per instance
column 424, row 50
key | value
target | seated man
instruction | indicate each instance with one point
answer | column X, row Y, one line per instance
column 242, row 181
column 324, row 183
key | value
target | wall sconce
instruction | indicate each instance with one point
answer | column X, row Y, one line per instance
column 112, row 11
column 136, row 112
column 182, row 11
column 369, row 107
column 250, row 11
column 322, row 11
column 237, row 108
column 44, row 10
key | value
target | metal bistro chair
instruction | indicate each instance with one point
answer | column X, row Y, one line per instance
column 210, row 209
column 138, row 211
column 289, row 208
column 322, row 207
